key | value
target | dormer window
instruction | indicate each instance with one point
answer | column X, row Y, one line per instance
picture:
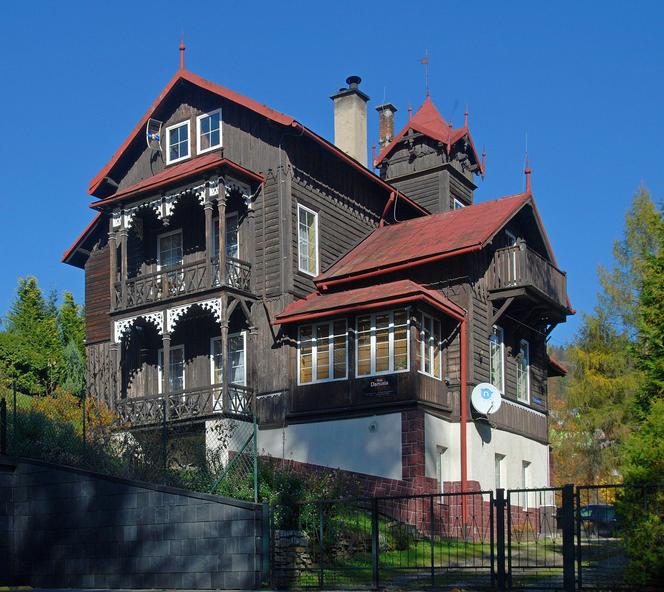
column 177, row 142
column 208, row 131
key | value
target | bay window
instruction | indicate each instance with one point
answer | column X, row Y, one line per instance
column 322, row 352
column 429, row 347
column 382, row 343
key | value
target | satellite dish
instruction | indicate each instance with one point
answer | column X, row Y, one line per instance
column 153, row 134
column 485, row 398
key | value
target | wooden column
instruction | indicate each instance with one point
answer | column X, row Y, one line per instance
column 224, row 352
column 123, row 263
column 113, row 253
column 208, row 243
column 221, row 207
column 166, row 361
column 116, row 358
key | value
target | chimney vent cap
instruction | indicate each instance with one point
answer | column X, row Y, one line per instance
column 353, row 81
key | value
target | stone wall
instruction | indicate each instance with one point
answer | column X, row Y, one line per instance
column 74, row 528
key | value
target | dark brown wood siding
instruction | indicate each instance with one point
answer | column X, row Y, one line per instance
column 97, row 296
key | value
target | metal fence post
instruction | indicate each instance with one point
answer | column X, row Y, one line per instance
column 3, row 426
column 321, row 545
column 568, row 538
column 265, row 540
column 255, row 461
column 164, row 435
column 14, row 416
column 500, row 537
column 374, row 542
column 431, row 531
column 84, row 417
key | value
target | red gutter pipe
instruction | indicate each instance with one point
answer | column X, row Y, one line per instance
column 324, row 285
column 387, row 207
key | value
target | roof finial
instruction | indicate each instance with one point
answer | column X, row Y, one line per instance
column 410, row 111
column 483, row 161
column 527, row 172
column 465, row 118
column 182, row 48
column 425, row 62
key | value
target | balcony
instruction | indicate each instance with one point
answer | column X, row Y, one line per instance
column 182, row 280
column 519, row 269
column 190, row 404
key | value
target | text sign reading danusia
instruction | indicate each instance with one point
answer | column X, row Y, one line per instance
column 485, row 398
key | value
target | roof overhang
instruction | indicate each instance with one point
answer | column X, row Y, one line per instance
column 77, row 254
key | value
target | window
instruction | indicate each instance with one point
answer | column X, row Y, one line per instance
column 497, row 358
column 176, row 367
column 307, row 229
column 208, row 131
column 322, row 352
column 525, row 483
column 523, row 372
column 169, row 247
column 232, row 232
column 236, row 358
column 499, row 468
column 458, row 204
column 429, row 349
column 382, row 343
column 442, row 469
column 177, row 141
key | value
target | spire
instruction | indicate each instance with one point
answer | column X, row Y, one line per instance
column 425, row 62
column 410, row 111
column 182, row 48
column 483, row 169
column 465, row 118
column 527, row 172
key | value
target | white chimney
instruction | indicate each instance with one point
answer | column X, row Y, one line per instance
column 350, row 120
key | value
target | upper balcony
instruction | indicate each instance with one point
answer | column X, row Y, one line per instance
column 518, row 269
column 179, row 280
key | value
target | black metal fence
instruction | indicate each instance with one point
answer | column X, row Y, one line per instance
column 567, row 538
column 214, row 453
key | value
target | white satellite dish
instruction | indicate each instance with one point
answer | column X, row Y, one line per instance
column 153, row 134
column 486, row 398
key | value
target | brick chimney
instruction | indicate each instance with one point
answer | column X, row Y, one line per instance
column 386, row 113
column 350, row 120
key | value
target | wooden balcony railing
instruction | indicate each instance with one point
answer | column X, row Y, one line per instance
column 185, row 405
column 181, row 280
column 521, row 267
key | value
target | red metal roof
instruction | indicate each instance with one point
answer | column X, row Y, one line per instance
column 420, row 239
column 177, row 173
column 88, row 229
column 320, row 305
column 431, row 123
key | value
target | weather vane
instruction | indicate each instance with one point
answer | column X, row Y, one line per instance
column 425, row 62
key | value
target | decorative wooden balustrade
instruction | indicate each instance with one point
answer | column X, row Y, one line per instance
column 521, row 267
column 189, row 404
column 181, row 280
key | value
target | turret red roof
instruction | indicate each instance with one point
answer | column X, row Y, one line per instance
column 431, row 123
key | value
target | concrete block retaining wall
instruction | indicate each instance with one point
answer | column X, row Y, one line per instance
column 64, row 527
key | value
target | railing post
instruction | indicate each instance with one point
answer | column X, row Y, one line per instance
column 374, row 543
column 577, row 519
column 3, row 426
column 568, row 538
column 208, row 243
column 221, row 208
column 500, row 537
column 164, row 433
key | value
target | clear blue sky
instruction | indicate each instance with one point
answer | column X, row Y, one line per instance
column 582, row 79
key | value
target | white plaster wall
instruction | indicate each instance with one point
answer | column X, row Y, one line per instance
column 485, row 442
column 370, row 445
column 440, row 433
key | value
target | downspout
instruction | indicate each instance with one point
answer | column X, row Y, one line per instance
column 464, row 408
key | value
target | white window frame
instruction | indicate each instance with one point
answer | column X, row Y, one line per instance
column 165, row 235
column 501, row 334
column 458, row 204
column 200, row 150
column 169, row 129
column 215, row 233
column 160, row 371
column 242, row 334
column 300, row 208
column 314, row 352
column 391, row 328
column 519, row 398
column 431, row 347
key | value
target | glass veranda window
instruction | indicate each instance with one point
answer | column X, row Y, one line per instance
column 497, row 358
column 430, row 346
column 236, row 358
column 176, row 368
column 307, row 224
column 322, row 353
column 382, row 343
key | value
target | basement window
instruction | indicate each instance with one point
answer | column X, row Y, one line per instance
column 382, row 343
column 322, row 352
column 208, row 131
column 177, row 142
